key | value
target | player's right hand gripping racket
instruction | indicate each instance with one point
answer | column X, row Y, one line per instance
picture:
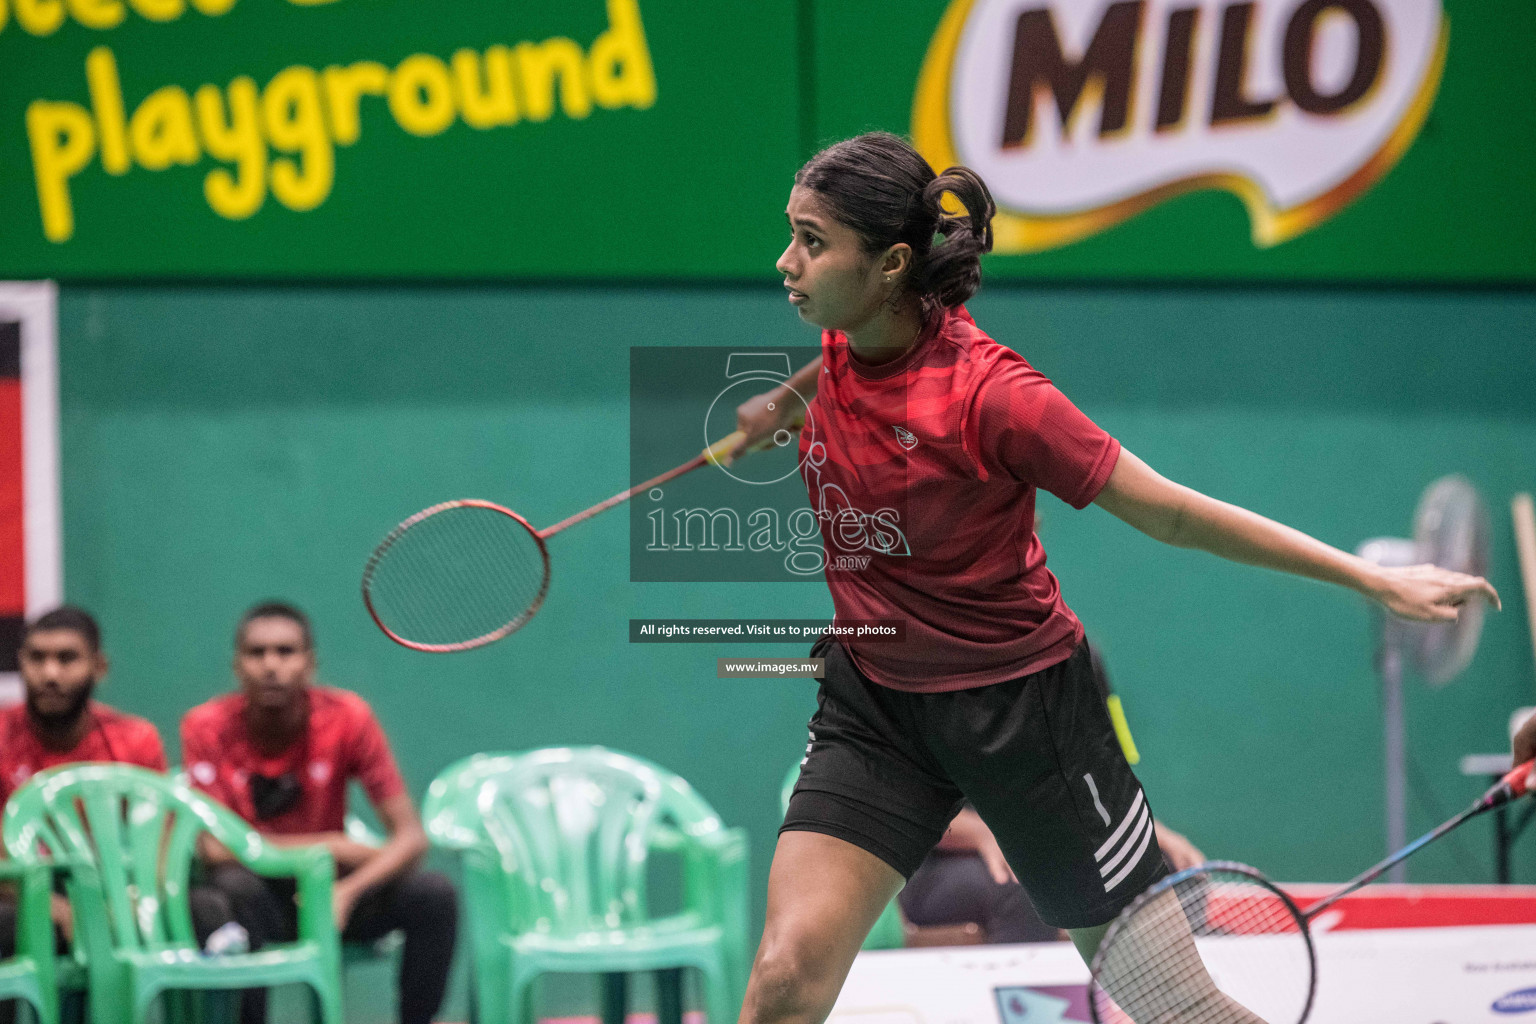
column 466, row 573
column 1220, row 944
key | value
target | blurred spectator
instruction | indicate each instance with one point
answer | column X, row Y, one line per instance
column 58, row 723
column 280, row 751
column 62, row 664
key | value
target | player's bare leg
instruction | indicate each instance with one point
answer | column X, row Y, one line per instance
column 824, row 895
column 1172, row 985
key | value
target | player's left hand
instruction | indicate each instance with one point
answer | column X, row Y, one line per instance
column 1428, row 593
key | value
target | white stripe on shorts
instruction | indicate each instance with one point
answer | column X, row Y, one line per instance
column 1130, row 865
column 1143, row 822
column 1125, row 823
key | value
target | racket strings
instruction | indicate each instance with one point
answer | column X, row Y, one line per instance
column 1213, row 948
column 457, row 576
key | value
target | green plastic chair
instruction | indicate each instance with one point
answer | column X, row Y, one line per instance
column 29, row 975
column 128, row 837
column 887, row 932
column 555, row 845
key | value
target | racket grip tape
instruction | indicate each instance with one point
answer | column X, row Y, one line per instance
column 1510, row 787
column 1516, row 779
column 718, row 451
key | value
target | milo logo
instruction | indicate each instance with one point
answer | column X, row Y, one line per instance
column 1081, row 114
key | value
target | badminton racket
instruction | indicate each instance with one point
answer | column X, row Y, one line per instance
column 466, row 573
column 1219, row 943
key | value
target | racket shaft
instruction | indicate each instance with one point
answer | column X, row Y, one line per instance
column 1373, row 873
column 1506, row 789
column 711, row 454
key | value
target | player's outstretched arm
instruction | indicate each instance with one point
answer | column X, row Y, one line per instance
column 1183, row 517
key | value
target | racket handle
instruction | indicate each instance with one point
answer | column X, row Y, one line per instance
column 1510, row 787
column 1517, row 777
column 718, row 451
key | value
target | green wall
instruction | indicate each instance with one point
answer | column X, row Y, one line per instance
column 226, row 444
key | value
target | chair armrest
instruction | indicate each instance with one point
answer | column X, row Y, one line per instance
column 254, row 850
column 314, row 873
column 272, row 861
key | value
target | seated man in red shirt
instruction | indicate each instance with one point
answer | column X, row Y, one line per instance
column 280, row 752
column 61, row 665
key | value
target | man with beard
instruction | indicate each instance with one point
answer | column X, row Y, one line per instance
column 280, row 751
column 59, row 723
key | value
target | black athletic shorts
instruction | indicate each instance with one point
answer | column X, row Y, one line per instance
column 1036, row 756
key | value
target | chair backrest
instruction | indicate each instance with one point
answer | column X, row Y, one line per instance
column 128, row 837
column 569, row 829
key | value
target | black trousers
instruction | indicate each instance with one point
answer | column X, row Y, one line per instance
column 422, row 904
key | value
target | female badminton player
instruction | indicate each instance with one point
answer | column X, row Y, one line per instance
column 926, row 443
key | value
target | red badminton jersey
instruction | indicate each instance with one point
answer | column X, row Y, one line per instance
column 343, row 742
column 923, row 472
column 115, row 736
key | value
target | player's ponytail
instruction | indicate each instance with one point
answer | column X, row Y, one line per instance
column 880, row 186
column 952, row 271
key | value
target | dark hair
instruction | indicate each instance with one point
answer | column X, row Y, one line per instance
column 69, row 617
column 880, row 186
column 275, row 610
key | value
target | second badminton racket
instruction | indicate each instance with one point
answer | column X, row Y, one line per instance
column 1220, row 944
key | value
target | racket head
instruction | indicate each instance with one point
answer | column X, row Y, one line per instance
column 456, row 576
column 1198, row 941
